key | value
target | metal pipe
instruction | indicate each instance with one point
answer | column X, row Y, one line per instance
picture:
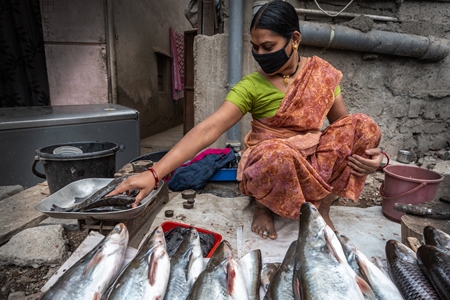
column 345, row 14
column 257, row 5
column 345, row 38
column 111, row 52
column 235, row 62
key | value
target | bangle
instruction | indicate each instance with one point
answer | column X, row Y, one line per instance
column 154, row 176
column 380, row 168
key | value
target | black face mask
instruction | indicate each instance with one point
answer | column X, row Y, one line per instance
column 273, row 61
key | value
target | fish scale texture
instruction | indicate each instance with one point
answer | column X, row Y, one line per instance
column 412, row 283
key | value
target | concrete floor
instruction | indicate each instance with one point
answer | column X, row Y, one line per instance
column 162, row 141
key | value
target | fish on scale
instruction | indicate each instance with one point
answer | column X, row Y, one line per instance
column 99, row 199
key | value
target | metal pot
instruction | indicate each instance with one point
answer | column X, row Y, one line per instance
column 404, row 156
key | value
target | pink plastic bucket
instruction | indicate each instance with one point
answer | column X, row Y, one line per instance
column 408, row 185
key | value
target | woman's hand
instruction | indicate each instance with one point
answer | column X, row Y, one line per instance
column 363, row 166
column 144, row 182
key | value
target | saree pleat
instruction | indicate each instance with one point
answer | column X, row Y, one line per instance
column 288, row 160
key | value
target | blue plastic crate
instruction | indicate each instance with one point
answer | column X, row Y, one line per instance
column 225, row 174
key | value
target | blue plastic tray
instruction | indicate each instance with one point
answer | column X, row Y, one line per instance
column 226, row 174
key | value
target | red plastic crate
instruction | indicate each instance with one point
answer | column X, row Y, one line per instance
column 167, row 225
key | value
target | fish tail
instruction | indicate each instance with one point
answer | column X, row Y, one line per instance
column 79, row 199
column 57, row 208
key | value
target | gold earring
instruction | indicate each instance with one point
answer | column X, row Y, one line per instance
column 295, row 47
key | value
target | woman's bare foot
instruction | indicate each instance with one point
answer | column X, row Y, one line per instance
column 262, row 223
column 324, row 209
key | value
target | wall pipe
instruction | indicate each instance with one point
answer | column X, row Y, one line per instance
column 235, row 62
column 345, row 14
column 385, row 42
column 111, row 52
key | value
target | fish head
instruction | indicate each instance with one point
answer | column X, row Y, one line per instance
column 119, row 234
column 431, row 257
column 153, row 240
column 436, row 237
column 311, row 223
column 194, row 237
column 223, row 252
column 397, row 251
column 347, row 246
column 194, row 241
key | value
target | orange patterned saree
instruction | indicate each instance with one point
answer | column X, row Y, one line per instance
column 289, row 160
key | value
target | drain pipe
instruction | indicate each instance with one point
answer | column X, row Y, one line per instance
column 344, row 38
column 235, row 63
column 111, row 52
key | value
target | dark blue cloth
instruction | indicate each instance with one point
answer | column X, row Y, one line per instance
column 196, row 175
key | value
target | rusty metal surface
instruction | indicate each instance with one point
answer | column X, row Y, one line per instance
column 65, row 197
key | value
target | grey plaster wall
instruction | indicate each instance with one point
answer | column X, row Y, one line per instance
column 77, row 53
column 142, row 31
column 75, row 50
column 409, row 98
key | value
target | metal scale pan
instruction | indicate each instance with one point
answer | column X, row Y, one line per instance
column 65, row 197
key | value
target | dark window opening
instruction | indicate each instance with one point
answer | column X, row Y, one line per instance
column 163, row 62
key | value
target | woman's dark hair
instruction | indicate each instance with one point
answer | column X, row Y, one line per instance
column 278, row 16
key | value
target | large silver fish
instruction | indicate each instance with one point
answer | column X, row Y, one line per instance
column 280, row 286
column 382, row 285
column 90, row 277
column 222, row 277
column 435, row 264
column 406, row 273
column 251, row 265
column 147, row 275
column 321, row 270
column 186, row 265
column 268, row 270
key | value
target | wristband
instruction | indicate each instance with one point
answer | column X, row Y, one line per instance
column 154, row 176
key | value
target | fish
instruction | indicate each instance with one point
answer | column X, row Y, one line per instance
column 423, row 210
column 251, row 265
column 435, row 264
column 406, row 273
column 236, row 283
column 186, row 265
column 436, row 237
column 268, row 270
column 147, row 274
column 106, row 209
column 280, row 286
column 116, row 200
column 321, row 270
column 222, row 277
column 381, row 264
column 175, row 236
column 382, row 285
column 90, row 277
column 96, row 196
